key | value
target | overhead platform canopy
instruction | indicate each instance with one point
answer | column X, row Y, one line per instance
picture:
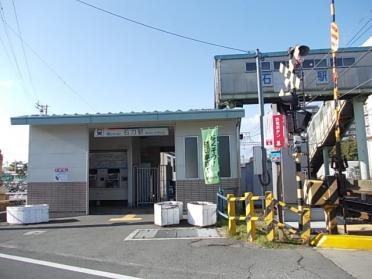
column 236, row 77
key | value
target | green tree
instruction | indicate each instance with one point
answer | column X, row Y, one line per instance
column 349, row 150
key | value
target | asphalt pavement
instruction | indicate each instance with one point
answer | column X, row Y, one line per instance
column 97, row 243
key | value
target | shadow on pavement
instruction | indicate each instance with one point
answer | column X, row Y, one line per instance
column 47, row 226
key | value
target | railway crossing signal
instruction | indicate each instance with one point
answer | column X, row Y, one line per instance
column 298, row 119
column 289, row 105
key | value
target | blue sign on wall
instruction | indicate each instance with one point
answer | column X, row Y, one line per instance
column 275, row 156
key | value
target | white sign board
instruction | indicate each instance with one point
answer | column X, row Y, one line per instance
column 130, row 132
column 268, row 131
column 61, row 174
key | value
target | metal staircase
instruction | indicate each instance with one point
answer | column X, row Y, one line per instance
column 321, row 130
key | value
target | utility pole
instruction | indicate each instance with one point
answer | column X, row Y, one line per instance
column 264, row 176
column 43, row 109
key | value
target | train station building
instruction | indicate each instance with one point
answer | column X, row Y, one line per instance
column 81, row 164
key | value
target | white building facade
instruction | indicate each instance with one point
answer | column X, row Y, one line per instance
column 81, row 163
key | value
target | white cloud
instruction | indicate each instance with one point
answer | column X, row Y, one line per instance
column 251, row 124
column 368, row 42
column 13, row 140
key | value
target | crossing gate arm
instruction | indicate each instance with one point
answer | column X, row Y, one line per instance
column 285, row 226
column 270, row 221
column 291, row 208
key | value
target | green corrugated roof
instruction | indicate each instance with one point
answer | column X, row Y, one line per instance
column 132, row 117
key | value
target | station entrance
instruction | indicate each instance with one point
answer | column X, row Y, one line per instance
column 130, row 168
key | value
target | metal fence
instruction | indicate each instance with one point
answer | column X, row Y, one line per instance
column 147, row 185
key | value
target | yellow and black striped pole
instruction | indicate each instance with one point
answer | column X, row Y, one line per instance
column 330, row 218
column 231, row 214
column 306, row 230
column 249, row 214
column 269, row 216
column 300, row 192
column 337, row 161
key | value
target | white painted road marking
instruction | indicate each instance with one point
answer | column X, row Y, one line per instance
column 126, row 218
column 68, row 267
column 34, row 232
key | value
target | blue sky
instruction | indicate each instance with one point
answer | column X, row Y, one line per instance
column 113, row 65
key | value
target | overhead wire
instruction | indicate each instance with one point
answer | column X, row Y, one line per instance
column 351, row 41
column 7, row 53
column 356, row 87
column 344, row 72
column 329, row 52
column 12, row 51
column 52, row 69
column 160, row 29
column 23, row 50
column 365, row 31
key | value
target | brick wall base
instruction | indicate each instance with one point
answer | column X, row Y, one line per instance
column 65, row 199
column 197, row 190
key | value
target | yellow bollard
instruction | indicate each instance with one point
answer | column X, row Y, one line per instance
column 306, row 218
column 330, row 212
column 269, row 216
column 231, row 214
column 249, row 215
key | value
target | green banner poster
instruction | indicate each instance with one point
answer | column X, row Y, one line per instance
column 211, row 164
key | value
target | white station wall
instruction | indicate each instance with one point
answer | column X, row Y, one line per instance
column 190, row 129
column 58, row 147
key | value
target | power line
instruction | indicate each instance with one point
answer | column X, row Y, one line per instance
column 351, row 66
column 365, row 31
column 7, row 53
column 23, row 50
column 356, row 87
column 347, row 44
column 356, row 34
column 18, row 69
column 343, row 73
column 51, row 68
column 160, row 29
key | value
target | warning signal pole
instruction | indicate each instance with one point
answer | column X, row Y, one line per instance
column 338, row 163
column 297, row 116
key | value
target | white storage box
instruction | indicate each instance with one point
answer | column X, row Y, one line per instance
column 166, row 214
column 179, row 204
column 201, row 213
column 28, row 214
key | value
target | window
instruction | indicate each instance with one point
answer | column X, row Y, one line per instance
column 349, row 61
column 308, row 63
column 343, row 62
column 224, row 156
column 338, row 62
column 320, row 63
column 191, row 157
column 249, row 67
column 265, row 66
column 277, row 64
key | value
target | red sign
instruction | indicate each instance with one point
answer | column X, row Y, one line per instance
column 269, row 142
column 278, row 131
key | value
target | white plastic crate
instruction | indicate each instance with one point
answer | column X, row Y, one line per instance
column 28, row 214
column 166, row 214
column 201, row 213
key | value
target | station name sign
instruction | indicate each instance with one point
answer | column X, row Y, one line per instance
column 130, row 132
